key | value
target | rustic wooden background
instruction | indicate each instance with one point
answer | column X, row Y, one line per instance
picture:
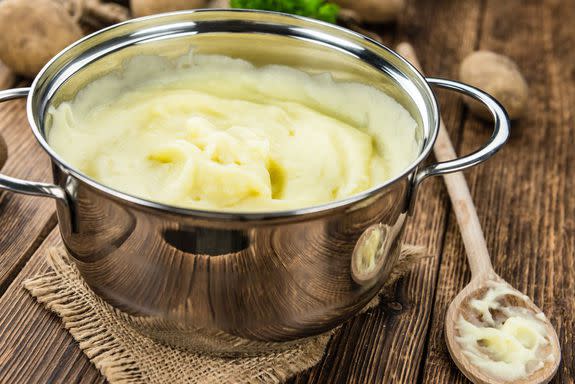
column 525, row 198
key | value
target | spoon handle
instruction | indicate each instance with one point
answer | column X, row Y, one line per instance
column 461, row 201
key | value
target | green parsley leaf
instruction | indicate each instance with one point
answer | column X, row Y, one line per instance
column 317, row 9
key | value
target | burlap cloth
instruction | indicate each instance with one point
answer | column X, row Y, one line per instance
column 112, row 342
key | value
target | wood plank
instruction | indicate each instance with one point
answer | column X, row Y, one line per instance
column 525, row 195
column 34, row 346
column 24, row 221
column 386, row 345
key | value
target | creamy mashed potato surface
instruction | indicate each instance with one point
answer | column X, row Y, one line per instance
column 507, row 349
column 212, row 132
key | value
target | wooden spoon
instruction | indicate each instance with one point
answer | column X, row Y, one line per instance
column 482, row 274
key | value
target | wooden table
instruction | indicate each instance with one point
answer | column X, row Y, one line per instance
column 525, row 198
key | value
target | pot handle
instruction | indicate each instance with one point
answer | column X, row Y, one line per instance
column 497, row 139
column 22, row 186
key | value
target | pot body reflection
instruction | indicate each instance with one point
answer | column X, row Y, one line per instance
column 272, row 281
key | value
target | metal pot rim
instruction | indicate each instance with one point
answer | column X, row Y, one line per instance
column 428, row 139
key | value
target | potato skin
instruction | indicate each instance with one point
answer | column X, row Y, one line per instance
column 151, row 7
column 32, row 32
column 374, row 11
column 499, row 76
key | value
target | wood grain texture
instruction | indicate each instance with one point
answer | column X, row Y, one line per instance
column 525, row 194
column 482, row 274
column 25, row 220
column 34, row 347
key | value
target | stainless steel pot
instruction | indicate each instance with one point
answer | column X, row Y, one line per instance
column 268, row 277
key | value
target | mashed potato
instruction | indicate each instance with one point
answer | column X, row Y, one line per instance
column 217, row 133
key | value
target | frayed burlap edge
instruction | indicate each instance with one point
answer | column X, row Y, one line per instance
column 123, row 355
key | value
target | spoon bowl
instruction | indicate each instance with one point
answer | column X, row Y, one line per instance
column 460, row 306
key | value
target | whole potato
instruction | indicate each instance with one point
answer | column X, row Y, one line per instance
column 151, row 7
column 499, row 76
column 218, row 4
column 374, row 11
column 32, row 32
